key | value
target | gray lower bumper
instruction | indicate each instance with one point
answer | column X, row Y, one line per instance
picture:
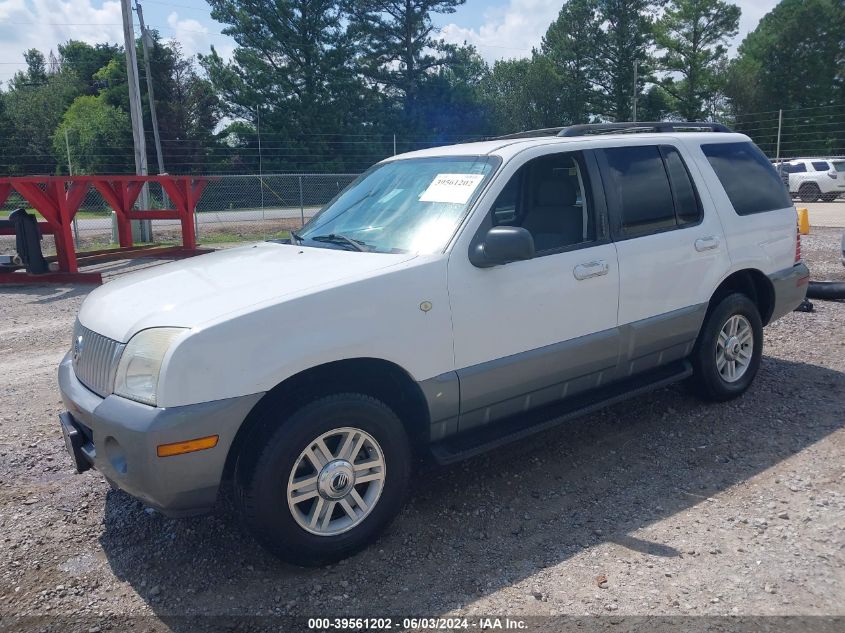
column 122, row 436
column 790, row 289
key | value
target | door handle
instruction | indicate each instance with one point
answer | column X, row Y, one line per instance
column 590, row 269
column 706, row 243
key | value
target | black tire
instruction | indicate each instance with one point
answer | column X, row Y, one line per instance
column 261, row 483
column 706, row 380
column 829, row 197
column 809, row 192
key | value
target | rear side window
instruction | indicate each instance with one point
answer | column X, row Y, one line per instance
column 794, row 168
column 752, row 184
column 821, row 165
column 687, row 205
column 640, row 187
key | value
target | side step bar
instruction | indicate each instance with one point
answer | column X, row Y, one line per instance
column 476, row 442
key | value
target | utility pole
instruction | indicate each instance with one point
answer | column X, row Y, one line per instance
column 780, row 125
column 145, row 38
column 143, row 232
column 636, row 89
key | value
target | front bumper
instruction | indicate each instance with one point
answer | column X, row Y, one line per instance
column 790, row 287
column 119, row 437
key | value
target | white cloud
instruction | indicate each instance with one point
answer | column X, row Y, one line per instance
column 191, row 34
column 508, row 31
column 43, row 24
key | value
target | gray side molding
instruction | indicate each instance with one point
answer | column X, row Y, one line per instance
column 480, row 394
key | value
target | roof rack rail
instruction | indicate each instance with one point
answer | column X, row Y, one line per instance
column 546, row 131
column 643, row 126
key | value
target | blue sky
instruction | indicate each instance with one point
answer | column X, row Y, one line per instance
column 499, row 28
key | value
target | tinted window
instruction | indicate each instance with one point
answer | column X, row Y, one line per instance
column 839, row 166
column 749, row 179
column 641, row 188
column 547, row 196
column 794, row 168
column 687, row 206
column 820, row 165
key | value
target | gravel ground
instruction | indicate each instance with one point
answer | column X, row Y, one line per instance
column 662, row 505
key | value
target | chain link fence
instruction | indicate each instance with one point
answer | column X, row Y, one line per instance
column 232, row 208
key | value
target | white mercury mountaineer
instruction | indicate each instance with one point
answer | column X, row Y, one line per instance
column 448, row 301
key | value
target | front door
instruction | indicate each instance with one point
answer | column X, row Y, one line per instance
column 530, row 332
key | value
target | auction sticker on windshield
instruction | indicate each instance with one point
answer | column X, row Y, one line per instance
column 454, row 188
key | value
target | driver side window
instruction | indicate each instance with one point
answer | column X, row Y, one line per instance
column 549, row 197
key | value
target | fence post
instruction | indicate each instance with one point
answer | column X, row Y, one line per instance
column 301, row 203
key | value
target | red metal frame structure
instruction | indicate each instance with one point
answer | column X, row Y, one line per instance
column 57, row 199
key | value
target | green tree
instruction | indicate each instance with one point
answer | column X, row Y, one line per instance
column 524, row 94
column 293, row 61
column 570, row 46
column 450, row 104
column 397, row 47
column 624, row 38
column 793, row 60
column 692, row 35
column 187, row 108
column 36, row 69
column 34, row 105
column 189, row 112
column 94, row 131
column 85, row 60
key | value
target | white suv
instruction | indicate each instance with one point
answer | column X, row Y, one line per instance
column 813, row 179
column 448, row 301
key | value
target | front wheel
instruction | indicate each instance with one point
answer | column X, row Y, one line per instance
column 727, row 353
column 328, row 480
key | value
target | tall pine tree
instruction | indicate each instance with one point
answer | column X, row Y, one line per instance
column 624, row 38
column 692, row 35
column 570, row 46
column 398, row 49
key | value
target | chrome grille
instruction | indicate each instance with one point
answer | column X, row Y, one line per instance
column 95, row 359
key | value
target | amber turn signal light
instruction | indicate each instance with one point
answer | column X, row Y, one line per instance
column 188, row 446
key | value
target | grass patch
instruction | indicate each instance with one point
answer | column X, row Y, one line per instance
column 227, row 237
column 99, row 246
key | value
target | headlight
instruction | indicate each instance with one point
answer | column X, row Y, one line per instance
column 140, row 363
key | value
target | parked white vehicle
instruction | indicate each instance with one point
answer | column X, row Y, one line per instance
column 814, row 179
column 448, row 301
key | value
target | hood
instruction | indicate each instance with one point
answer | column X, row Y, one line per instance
column 197, row 290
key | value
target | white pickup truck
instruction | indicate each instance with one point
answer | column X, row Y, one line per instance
column 448, row 301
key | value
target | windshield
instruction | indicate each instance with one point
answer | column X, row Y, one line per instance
column 406, row 206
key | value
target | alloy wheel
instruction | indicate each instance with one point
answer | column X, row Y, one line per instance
column 336, row 481
column 734, row 348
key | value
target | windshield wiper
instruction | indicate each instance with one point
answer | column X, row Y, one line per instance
column 343, row 240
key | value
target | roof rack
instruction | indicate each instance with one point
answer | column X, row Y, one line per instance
column 546, row 131
column 625, row 128
column 643, row 126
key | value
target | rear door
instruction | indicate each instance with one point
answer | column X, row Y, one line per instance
column 671, row 250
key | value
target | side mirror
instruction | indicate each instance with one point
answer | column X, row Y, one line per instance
column 501, row 245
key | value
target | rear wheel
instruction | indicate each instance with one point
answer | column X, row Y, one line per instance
column 327, row 481
column 809, row 192
column 829, row 197
column 727, row 354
